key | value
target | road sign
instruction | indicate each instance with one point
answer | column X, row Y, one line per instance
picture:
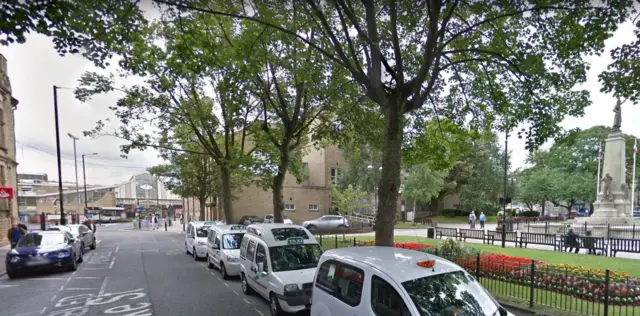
column 140, row 207
column 6, row 193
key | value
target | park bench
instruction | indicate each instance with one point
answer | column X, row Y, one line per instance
column 624, row 245
column 597, row 243
column 448, row 232
column 538, row 239
column 494, row 235
column 472, row 234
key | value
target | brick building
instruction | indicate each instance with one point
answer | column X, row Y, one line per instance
column 8, row 164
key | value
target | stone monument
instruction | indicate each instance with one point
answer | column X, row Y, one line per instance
column 613, row 204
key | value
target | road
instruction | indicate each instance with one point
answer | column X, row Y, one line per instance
column 132, row 273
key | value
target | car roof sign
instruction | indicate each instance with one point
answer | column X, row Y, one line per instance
column 238, row 227
column 209, row 223
column 295, row 241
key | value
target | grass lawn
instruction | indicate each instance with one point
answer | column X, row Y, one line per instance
column 442, row 220
column 630, row 266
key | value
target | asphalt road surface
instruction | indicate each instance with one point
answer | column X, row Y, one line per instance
column 130, row 273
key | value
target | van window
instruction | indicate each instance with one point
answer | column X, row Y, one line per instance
column 342, row 281
column 243, row 248
column 326, row 276
column 261, row 256
column 217, row 241
column 211, row 236
column 189, row 230
column 385, row 300
column 251, row 250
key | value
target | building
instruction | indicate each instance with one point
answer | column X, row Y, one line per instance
column 142, row 192
column 8, row 164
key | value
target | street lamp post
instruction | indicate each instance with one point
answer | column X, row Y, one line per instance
column 57, row 123
column 505, row 198
column 84, row 179
column 75, row 161
column 375, row 190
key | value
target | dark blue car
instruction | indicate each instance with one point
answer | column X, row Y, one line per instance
column 43, row 250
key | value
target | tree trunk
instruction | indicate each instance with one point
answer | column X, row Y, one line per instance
column 544, row 204
column 277, row 187
column 203, row 207
column 390, row 178
column 225, row 177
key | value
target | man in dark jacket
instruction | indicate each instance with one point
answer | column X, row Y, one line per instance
column 572, row 241
column 15, row 233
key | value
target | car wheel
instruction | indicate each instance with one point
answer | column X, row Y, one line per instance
column 195, row 254
column 245, row 286
column 223, row 271
column 93, row 244
column 12, row 275
column 311, row 227
column 274, row 306
column 209, row 263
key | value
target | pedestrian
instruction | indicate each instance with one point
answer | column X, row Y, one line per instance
column 154, row 222
column 472, row 220
column 483, row 218
column 571, row 241
column 15, row 233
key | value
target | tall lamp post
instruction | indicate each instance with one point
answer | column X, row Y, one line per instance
column 84, row 179
column 75, row 160
column 57, row 123
column 505, row 199
column 375, row 189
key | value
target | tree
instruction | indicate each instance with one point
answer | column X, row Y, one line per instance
column 193, row 87
column 422, row 184
column 93, row 28
column 484, row 60
column 622, row 77
column 535, row 187
column 189, row 174
column 348, row 199
column 571, row 187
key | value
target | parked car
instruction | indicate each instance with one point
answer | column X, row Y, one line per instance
column 81, row 233
column 249, row 219
column 270, row 219
column 39, row 250
column 326, row 222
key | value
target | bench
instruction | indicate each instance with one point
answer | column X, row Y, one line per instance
column 448, row 232
column 597, row 243
column 624, row 245
column 539, row 239
column 493, row 235
column 472, row 234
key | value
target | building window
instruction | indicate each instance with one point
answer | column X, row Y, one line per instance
column 290, row 207
column 314, row 208
column 3, row 141
column 334, row 175
column 305, row 168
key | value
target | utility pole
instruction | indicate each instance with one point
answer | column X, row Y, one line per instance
column 504, row 204
column 60, row 193
column 84, row 178
column 75, row 161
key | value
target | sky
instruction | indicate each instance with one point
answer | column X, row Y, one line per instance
column 34, row 67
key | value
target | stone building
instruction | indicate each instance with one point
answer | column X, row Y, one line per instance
column 8, row 164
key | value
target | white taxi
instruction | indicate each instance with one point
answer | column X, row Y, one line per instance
column 195, row 239
column 396, row 281
column 278, row 261
column 223, row 248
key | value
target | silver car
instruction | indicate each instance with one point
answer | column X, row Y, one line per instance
column 326, row 222
column 81, row 233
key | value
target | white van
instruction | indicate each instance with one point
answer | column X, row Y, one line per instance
column 223, row 248
column 278, row 261
column 195, row 239
column 396, row 281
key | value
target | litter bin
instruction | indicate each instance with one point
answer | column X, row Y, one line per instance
column 431, row 232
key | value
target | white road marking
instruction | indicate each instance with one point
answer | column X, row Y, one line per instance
column 2, row 286
column 98, row 242
column 45, row 279
column 150, row 250
column 85, row 277
column 43, row 310
column 234, row 291
column 246, row 301
column 104, row 286
column 80, row 288
column 53, row 298
column 259, row 312
column 112, row 262
column 93, row 268
column 25, row 314
column 117, row 248
column 226, row 284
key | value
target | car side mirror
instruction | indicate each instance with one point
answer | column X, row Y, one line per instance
column 72, row 240
column 215, row 246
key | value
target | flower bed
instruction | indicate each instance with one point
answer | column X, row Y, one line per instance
column 574, row 280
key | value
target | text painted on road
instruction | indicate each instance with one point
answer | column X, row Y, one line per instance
column 79, row 305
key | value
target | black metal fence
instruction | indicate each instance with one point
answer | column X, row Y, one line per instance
column 535, row 284
column 559, row 227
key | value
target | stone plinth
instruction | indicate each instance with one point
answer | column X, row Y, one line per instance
column 614, row 165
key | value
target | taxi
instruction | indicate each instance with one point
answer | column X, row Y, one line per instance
column 278, row 262
column 195, row 239
column 396, row 281
column 223, row 248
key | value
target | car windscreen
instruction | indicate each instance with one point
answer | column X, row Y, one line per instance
column 202, row 231
column 294, row 257
column 38, row 240
column 454, row 293
column 232, row 241
column 74, row 230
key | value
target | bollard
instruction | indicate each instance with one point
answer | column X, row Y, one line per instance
column 165, row 226
column 169, row 222
column 43, row 221
column 139, row 224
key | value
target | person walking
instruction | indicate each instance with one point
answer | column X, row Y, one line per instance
column 483, row 218
column 472, row 220
column 15, row 233
column 571, row 241
column 154, row 222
